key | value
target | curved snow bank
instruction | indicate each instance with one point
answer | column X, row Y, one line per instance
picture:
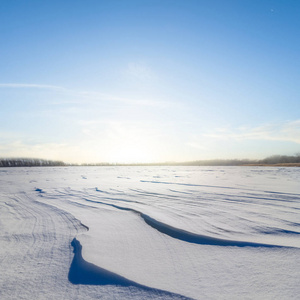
column 190, row 237
column 187, row 236
column 83, row 272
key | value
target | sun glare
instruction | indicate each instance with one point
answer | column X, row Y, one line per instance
column 129, row 153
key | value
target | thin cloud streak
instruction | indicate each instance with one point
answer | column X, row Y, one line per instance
column 288, row 132
column 84, row 96
column 29, row 85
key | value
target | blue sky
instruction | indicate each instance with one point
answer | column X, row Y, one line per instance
column 132, row 81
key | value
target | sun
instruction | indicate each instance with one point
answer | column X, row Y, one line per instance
column 129, row 153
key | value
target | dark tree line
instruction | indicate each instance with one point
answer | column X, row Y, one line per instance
column 28, row 162
column 271, row 160
column 281, row 159
column 219, row 162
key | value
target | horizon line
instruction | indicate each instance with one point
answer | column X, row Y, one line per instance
column 274, row 159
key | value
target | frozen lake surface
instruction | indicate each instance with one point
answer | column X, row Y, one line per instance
column 150, row 233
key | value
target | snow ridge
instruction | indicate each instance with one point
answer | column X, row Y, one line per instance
column 186, row 236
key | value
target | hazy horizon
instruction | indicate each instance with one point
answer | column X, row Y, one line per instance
column 149, row 81
column 293, row 160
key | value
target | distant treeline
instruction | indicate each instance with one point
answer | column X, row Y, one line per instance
column 28, row 162
column 281, row 159
column 215, row 162
column 271, row 160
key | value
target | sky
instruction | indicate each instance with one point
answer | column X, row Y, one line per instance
column 149, row 80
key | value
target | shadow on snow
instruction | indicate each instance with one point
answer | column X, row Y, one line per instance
column 187, row 236
column 83, row 272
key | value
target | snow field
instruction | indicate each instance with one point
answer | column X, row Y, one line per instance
column 244, row 223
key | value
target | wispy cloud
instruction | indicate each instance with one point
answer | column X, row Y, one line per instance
column 140, row 71
column 286, row 131
column 82, row 96
column 29, row 85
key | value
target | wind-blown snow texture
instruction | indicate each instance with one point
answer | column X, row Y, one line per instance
column 149, row 233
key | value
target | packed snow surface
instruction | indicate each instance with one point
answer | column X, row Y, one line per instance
column 150, row 233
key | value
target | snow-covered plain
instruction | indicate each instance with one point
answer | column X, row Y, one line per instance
column 150, row 233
